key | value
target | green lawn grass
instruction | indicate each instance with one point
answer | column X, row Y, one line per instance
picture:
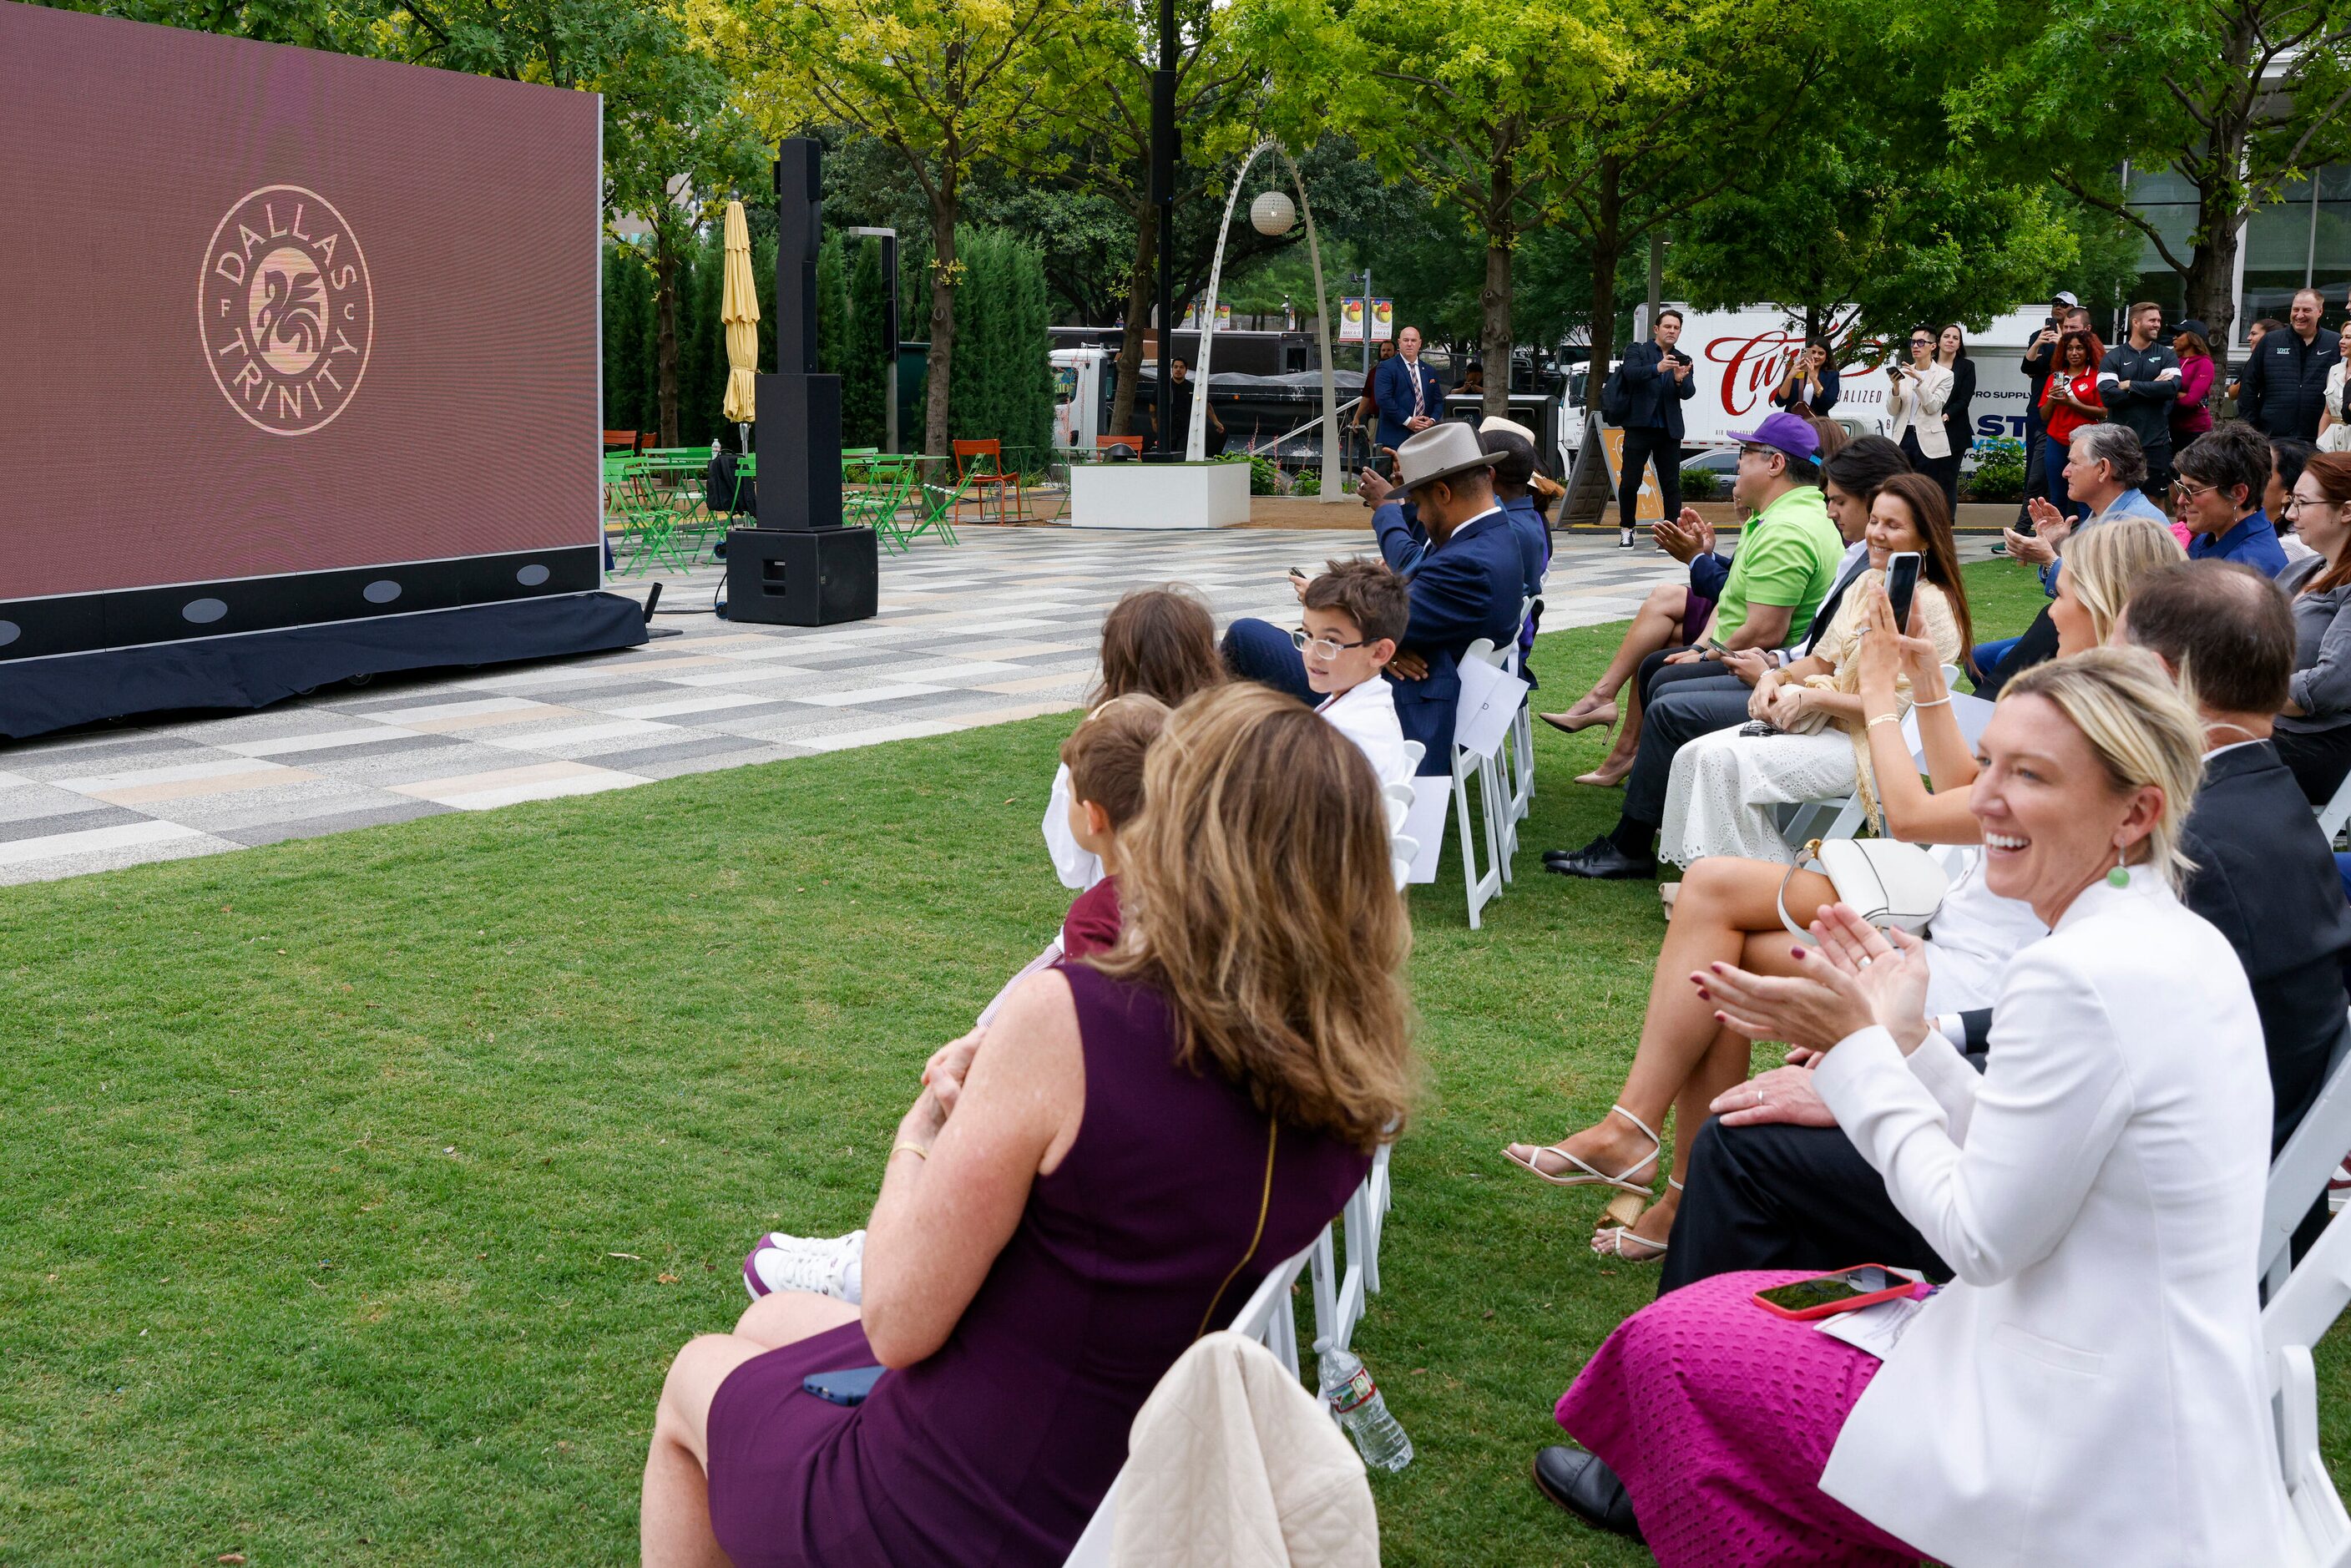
column 355, row 1191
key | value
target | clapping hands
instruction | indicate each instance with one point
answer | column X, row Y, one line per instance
column 1854, row 975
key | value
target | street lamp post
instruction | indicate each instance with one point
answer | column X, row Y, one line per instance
column 1163, row 196
column 889, row 238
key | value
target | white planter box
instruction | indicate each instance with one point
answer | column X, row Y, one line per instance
column 1159, row 495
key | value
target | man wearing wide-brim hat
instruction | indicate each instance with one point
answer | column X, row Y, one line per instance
column 1467, row 586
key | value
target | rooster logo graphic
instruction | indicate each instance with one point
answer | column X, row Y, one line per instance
column 286, row 308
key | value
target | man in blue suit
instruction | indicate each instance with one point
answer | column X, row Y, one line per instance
column 1403, row 542
column 1465, row 585
column 1409, row 395
column 1656, row 381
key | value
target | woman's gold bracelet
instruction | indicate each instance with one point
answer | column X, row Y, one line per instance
column 917, row 1150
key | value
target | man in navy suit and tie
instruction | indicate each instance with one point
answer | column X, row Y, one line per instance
column 1467, row 586
column 1409, row 395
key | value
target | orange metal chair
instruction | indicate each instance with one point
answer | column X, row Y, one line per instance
column 992, row 480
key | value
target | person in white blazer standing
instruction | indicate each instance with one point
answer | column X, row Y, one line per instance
column 1915, row 396
column 2088, row 1389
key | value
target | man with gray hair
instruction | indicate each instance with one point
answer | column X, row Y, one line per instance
column 2103, row 470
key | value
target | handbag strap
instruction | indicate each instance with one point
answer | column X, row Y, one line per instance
column 1811, row 852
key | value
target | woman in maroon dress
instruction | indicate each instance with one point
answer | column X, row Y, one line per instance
column 1079, row 1194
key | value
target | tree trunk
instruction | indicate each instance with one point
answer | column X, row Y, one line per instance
column 1496, row 343
column 941, row 361
column 665, row 333
column 1138, row 318
column 1607, row 250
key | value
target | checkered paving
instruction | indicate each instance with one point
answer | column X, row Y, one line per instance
column 1002, row 627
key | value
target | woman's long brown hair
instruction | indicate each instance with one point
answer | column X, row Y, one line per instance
column 1158, row 642
column 1259, row 897
column 1933, row 517
column 2333, row 471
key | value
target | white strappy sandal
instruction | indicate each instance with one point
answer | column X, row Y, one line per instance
column 1586, row 1175
column 1611, row 1242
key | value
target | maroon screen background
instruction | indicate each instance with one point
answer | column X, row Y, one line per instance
column 474, row 430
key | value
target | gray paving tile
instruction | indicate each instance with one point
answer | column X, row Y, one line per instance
column 703, row 746
column 335, row 822
column 92, row 815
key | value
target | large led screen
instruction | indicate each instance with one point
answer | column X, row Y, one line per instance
column 286, row 337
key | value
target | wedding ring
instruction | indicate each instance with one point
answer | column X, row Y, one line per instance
column 1864, row 961
column 1758, row 1097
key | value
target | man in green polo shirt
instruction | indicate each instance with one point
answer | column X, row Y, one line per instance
column 1786, row 564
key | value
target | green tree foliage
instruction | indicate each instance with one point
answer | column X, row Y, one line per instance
column 1003, row 382
column 2238, row 98
column 1836, row 228
column 1473, row 99
column 943, row 84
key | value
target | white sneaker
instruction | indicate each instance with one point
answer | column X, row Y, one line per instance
column 823, row 1266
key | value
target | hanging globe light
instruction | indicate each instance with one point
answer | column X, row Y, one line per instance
column 1273, row 214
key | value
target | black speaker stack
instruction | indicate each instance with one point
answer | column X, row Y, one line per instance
column 800, row 566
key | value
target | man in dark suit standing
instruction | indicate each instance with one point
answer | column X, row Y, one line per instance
column 1465, row 585
column 1410, row 397
column 1775, row 1184
column 1656, row 376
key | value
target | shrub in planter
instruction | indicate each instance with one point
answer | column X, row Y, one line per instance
column 1306, row 482
column 1265, row 478
column 1998, row 474
column 1697, row 483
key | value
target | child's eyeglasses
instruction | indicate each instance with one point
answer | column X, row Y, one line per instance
column 1324, row 647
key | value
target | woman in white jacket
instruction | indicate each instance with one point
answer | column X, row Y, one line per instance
column 1915, row 400
column 2088, row 1391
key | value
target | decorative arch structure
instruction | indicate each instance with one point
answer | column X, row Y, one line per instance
column 1196, row 441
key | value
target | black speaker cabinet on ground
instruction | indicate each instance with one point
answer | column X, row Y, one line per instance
column 801, row 577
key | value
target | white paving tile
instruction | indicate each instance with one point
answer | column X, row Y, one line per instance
column 94, row 841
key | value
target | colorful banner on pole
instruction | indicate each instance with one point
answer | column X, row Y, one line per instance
column 1351, row 319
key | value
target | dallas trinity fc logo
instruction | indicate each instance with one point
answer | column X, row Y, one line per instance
column 287, row 310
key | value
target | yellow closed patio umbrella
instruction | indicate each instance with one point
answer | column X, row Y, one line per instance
column 738, row 308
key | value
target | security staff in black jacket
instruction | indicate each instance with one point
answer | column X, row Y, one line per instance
column 1778, row 1195
column 2138, row 382
column 1656, row 379
column 2283, row 389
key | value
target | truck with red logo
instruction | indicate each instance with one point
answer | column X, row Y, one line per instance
column 1739, row 357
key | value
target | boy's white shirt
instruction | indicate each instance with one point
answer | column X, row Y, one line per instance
column 1366, row 714
column 1078, row 867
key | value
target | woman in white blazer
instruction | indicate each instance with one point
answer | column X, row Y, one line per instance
column 2088, row 1390
column 1914, row 398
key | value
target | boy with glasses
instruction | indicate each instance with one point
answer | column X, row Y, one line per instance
column 1356, row 614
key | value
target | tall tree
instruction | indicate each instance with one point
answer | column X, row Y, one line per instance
column 1699, row 90
column 1473, row 103
column 941, row 83
column 2239, row 97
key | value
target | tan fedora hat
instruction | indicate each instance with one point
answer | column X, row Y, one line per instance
column 1440, row 452
column 1495, row 424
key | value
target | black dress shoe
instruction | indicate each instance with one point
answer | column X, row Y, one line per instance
column 1603, row 859
column 1587, row 1488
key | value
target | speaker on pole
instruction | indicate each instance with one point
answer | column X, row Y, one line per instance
column 800, row 566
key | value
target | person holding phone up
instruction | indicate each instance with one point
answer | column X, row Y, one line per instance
column 1915, row 396
column 1811, row 744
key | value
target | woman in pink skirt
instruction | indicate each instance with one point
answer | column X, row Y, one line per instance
column 2088, row 1390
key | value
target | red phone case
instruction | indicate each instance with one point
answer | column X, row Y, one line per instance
column 1901, row 1287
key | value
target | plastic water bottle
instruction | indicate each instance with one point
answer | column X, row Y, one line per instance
column 1352, row 1395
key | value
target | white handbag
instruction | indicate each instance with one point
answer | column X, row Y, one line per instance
column 1884, row 880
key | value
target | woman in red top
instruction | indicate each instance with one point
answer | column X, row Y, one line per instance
column 2192, row 414
column 2071, row 402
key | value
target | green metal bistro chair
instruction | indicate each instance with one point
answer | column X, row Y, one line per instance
column 650, row 520
column 934, row 507
column 876, row 489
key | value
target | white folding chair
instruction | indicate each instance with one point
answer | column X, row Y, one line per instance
column 2336, row 812
column 2301, row 1171
column 1340, row 1293
column 1268, row 1318
column 1521, row 770
column 2297, row 1318
column 1498, row 833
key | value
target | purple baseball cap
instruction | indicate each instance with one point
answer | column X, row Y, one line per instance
column 1784, row 432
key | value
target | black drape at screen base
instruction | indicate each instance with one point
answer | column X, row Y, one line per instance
column 258, row 668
